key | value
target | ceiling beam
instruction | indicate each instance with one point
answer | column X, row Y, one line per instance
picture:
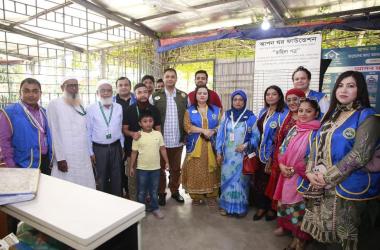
column 108, row 14
column 59, row 6
column 197, row 7
column 41, row 38
column 336, row 14
column 92, row 32
column 275, row 10
column 21, row 56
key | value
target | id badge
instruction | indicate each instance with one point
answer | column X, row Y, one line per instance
column 232, row 137
column 108, row 136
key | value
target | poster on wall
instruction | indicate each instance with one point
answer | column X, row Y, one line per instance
column 277, row 58
column 365, row 59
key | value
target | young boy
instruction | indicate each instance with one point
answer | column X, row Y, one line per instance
column 148, row 147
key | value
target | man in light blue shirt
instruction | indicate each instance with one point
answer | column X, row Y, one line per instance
column 104, row 126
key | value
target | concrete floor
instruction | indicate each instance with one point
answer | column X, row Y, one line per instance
column 188, row 227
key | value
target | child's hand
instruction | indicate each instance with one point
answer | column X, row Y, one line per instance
column 167, row 166
column 131, row 172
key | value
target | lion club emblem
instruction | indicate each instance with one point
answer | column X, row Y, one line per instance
column 273, row 124
column 349, row 133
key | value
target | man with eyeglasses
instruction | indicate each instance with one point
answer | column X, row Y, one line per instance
column 67, row 121
column 104, row 128
column 25, row 137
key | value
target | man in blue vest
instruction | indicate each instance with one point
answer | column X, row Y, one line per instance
column 24, row 131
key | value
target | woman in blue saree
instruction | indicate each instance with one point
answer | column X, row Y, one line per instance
column 237, row 136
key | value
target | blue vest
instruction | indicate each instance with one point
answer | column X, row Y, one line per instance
column 25, row 138
column 196, row 120
column 314, row 95
column 132, row 101
column 266, row 147
column 250, row 137
column 360, row 184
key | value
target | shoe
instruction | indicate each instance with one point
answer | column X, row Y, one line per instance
column 158, row 214
column 176, row 196
column 270, row 216
column 258, row 216
column 162, row 199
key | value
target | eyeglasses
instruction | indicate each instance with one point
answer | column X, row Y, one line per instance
column 27, row 91
column 104, row 91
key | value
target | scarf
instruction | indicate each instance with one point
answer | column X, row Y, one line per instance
column 295, row 152
column 237, row 112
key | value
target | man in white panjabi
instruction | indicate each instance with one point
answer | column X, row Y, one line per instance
column 67, row 120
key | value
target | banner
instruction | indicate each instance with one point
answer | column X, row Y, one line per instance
column 365, row 59
column 276, row 59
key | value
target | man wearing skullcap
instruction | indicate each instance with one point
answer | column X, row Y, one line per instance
column 105, row 139
column 67, row 121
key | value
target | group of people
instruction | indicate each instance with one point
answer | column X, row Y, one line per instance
column 316, row 163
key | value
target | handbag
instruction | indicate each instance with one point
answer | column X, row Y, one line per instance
column 250, row 165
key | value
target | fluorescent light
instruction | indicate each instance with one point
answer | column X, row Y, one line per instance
column 266, row 24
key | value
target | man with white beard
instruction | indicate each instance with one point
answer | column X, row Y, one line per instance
column 104, row 128
column 67, row 122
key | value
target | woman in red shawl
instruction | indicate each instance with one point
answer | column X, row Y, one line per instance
column 292, row 98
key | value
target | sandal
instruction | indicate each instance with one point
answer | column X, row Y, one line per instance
column 222, row 212
column 212, row 203
column 279, row 231
column 196, row 202
column 292, row 245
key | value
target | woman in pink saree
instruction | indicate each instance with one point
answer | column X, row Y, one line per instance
column 292, row 162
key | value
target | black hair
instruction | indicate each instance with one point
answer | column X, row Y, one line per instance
column 362, row 97
column 145, row 113
column 160, row 80
column 147, row 77
column 281, row 102
column 30, row 81
column 123, row 78
column 170, row 69
column 313, row 103
column 139, row 85
column 301, row 68
column 201, row 72
column 195, row 97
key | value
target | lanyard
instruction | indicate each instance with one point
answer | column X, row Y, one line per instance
column 33, row 120
column 138, row 112
column 238, row 119
column 82, row 112
column 104, row 115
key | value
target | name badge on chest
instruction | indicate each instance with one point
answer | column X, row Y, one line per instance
column 108, row 136
column 232, row 137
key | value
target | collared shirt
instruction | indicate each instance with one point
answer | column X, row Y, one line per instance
column 124, row 103
column 131, row 118
column 6, row 135
column 97, row 128
column 171, row 127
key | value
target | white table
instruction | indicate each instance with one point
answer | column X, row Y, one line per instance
column 80, row 217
